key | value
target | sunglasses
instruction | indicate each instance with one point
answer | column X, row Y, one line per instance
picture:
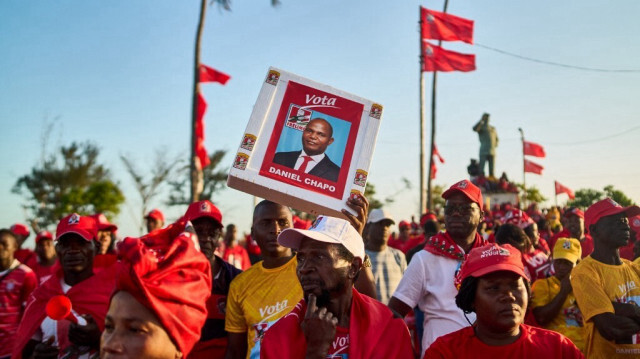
column 463, row 209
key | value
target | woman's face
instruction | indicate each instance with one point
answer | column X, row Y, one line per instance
column 133, row 331
column 501, row 302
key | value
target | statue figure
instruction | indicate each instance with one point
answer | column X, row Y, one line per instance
column 488, row 143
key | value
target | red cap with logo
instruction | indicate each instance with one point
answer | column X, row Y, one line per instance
column 42, row 235
column 574, row 211
column 518, row 217
column 156, row 214
column 103, row 223
column 492, row 258
column 426, row 217
column 203, row 209
column 20, row 230
column 607, row 207
column 404, row 224
column 84, row 226
column 468, row 189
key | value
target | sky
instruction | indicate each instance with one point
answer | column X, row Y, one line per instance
column 119, row 74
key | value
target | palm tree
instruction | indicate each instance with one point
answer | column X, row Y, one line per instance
column 196, row 173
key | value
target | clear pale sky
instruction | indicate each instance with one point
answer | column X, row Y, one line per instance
column 119, row 73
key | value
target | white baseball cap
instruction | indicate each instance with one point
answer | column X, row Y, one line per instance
column 379, row 214
column 326, row 229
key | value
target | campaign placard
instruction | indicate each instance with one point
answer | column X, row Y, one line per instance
column 307, row 145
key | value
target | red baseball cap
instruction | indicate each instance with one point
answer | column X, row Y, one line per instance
column 574, row 211
column 20, row 230
column 84, row 226
column 467, row 188
column 427, row 217
column 103, row 223
column 607, row 207
column 634, row 223
column 203, row 209
column 492, row 258
column 156, row 214
column 404, row 224
column 42, row 235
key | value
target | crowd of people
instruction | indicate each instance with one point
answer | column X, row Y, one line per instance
column 463, row 281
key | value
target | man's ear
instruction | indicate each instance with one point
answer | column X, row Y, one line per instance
column 330, row 141
column 354, row 268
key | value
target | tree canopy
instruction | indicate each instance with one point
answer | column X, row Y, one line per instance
column 585, row 197
column 68, row 181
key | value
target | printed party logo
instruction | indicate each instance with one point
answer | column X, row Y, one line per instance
column 360, row 178
column 298, row 117
column 376, row 111
column 273, row 77
column 248, row 142
column 241, row 161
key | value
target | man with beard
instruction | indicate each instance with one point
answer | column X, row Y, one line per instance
column 429, row 279
column 607, row 287
column 88, row 292
column 207, row 222
column 269, row 289
column 333, row 319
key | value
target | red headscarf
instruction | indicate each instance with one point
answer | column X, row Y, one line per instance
column 166, row 272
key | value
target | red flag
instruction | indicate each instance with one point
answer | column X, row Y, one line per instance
column 434, row 169
column 562, row 189
column 208, row 74
column 441, row 26
column 438, row 59
column 437, row 153
column 532, row 167
column 533, row 149
column 201, row 152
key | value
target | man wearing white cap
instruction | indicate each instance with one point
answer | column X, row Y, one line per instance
column 388, row 264
column 333, row 319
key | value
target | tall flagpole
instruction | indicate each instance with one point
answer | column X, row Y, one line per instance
column 195, row 171
column 433, row 122
column 524, row 185
column 422, row 116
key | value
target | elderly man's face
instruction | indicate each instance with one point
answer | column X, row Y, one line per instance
column 208, row 231
column 461, row 216
column 316, row 137
column 322, row 271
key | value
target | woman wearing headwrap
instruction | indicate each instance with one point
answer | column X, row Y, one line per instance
column 158, row 307
column 495, row 287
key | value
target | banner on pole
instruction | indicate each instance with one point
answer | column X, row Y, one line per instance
column 442, row 26
column 438, row 59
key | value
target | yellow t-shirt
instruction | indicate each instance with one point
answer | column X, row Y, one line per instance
column 569, row 320
column 259, row 297
column 596, row 285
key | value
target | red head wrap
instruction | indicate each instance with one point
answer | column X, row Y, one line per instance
column 168, row 274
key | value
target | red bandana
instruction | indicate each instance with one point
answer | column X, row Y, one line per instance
column 443, row 245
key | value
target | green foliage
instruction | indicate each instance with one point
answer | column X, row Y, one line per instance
column 618, row 196
column 370, row 192
column 585, row 197
column 214, row 180
column 71, row 181
column 532, row 194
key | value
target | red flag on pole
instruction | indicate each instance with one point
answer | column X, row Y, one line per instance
column 438, row 59
column 201, row 151
column 442, row 26
column 532, row 167
column 533, row 149
column 562, row 189
column 208, row 74
column 434, row 169
column 437, row 153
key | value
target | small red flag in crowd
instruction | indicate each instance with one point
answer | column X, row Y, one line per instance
column 208, row 74
column 437, row 153
column 532, row 167
column 201, row 152
column 533, row 149
column 438, row 59
column 562, row 189
column 441, row 26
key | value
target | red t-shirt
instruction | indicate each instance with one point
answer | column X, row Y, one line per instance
column 533, row 343
column 42, row 272
column 340, row 345
column 237, row 256
column 537, row 264
column 15, row 287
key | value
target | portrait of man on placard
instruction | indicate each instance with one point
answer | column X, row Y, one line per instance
column 313, row 157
